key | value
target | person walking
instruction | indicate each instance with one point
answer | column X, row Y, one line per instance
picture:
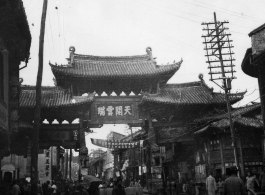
column 250, row 182
column 15, row 189
column 192, row 190
column 40, row 191
column 262, row 179
column 233, row 185
column 220, row 186
column 210, row 184
column 118, row 189
column 168, row 187
column 173, row 186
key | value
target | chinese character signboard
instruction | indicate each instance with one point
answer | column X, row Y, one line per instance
column 173, row 134
column 114, row 143
column 59, row 135
column 44, row 165
column 115, row 110
column 14, row 103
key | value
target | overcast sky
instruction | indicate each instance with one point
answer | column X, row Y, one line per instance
column 126, row 27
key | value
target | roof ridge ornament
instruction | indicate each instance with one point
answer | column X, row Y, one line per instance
column 72, row 52
column 203, row 82
column 149, row 53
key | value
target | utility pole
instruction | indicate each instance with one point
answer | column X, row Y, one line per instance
column 218, row 46
column 70, row 165
column 134, row 168
column 66, row 164
column 35, row 137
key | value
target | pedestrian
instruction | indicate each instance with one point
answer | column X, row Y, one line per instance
column 15, row 188
column 26, row 187
column 132, row 183
column 45, row 188
column 233, row 185
column 168, row 187
column 192, row 190
column 138, row 183
column 211, row 184
column 220, row 186
column 21, row 183
column 173, row 186
column 67, row 188
column 262, row 179
column 54, row 187
column 250, row 182
column 39, row 190
column 118, row 188
column 185, row 187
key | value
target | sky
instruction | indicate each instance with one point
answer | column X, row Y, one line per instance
column 172, row 28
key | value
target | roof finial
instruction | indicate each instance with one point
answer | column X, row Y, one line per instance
column 72, row 51
column 201, row 76
column 149, row 53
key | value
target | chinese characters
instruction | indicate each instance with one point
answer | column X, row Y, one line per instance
column 114, row 111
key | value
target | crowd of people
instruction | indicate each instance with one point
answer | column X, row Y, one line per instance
column 232, row 185
column 63, row 187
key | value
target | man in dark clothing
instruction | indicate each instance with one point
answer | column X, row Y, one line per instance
column 233, row 185
column 118, row 189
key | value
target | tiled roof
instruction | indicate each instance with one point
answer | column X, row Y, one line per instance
column 96, row 69
column 257, row 30
column 189, row 94
column 234, row 113
column 224, row 124
column 52, row 97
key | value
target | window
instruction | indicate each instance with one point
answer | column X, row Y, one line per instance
column 215, row 144
column 1, row 76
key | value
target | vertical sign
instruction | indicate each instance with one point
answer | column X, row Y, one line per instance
column 14, row 103
column 44, row 165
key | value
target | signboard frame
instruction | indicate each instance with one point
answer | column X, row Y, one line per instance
column 130, row 110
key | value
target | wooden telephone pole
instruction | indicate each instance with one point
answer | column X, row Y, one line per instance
column 219, row 56
column 35, row 137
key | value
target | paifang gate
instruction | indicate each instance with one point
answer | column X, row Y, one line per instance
column 136, row 93
column 134, row 80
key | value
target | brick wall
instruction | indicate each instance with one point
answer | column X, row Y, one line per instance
column 258, row 42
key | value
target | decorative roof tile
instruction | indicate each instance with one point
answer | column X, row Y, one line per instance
column 52, row 97
column 189, row 94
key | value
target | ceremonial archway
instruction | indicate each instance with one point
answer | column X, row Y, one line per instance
column 78, row 95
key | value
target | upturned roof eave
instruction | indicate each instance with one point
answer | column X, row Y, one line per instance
column 168, row 71
column 236, row 112
column 224, row 125
column 151, row 99
column 27, row 101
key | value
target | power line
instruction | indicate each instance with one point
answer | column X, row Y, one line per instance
column 218, row 11
column 240, row 15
